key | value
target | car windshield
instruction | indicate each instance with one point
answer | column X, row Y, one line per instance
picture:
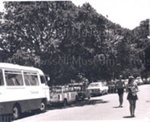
column 76, row 87
column 94, row 85
column 56, row 89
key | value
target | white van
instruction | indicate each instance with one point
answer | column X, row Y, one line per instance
column 22, row 89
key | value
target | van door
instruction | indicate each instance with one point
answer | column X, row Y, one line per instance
column 45, row 87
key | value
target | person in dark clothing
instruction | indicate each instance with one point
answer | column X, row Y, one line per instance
column 120, row 85
column 132, row 90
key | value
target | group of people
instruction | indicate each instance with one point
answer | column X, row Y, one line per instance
column 132, row 90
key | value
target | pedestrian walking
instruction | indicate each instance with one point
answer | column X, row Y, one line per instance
column 120, row 85
column 132, row 90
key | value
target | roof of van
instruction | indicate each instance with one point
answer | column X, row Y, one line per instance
column 20, row 67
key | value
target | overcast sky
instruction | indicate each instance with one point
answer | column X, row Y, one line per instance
column 127, row 13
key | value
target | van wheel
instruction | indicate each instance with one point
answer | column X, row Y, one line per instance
column 16, row 112
column 43, row 106
column 65, row 102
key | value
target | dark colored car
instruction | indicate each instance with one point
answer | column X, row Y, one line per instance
column 82, row 95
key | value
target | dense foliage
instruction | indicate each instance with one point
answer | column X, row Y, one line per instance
column 65, row 40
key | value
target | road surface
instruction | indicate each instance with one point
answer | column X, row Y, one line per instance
column 98, row 108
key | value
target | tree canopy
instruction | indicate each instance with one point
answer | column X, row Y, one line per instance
column 65, row 40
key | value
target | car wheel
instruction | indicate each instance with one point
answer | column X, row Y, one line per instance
column 102, row 92
column 16, row 112
column 65, row 102
column 89, row 97
column 106, row 91
column 77, row 99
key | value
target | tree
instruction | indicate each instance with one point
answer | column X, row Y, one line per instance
column 64, row 40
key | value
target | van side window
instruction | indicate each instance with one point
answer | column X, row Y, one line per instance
column 43, row 80
column 14, row 78
column 31, row 79
column 1, row 78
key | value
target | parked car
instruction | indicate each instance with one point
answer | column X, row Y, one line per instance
column 146, row 80
column 111, row 87
column 62, row 95
column 97, row 88
column 138, row 80
column 82, row 93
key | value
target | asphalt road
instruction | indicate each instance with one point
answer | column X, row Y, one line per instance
column 98, row 108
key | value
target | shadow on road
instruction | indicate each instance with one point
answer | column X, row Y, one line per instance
column 79, row 103
column 128, row 117
column 60, row 106
column 117, row 107
column 147, row 101
column 91, row 102
column 9, row 117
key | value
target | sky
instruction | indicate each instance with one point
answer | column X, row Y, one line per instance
column 127, row 13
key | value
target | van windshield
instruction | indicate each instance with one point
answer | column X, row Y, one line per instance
column 43, row 79
column 1, row 78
